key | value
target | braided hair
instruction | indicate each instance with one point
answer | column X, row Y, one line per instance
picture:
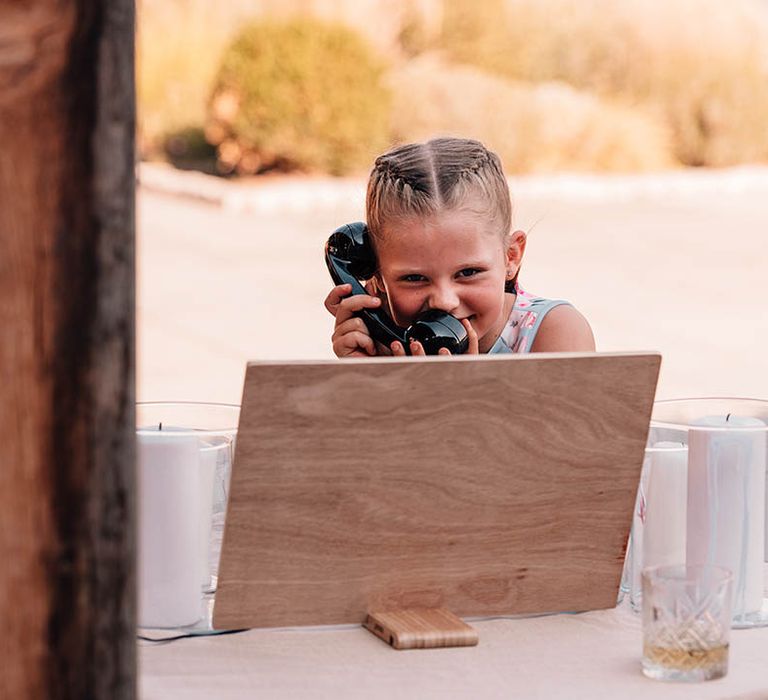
column 422, row 179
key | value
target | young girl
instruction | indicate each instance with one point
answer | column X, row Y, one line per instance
column 440, row 219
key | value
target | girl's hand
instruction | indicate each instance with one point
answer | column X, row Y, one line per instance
column 335, row 296
column 474, row 342
column 417, row 349
column 338, row 294
column 350, row 334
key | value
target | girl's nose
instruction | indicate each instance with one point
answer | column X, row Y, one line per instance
column 444, row 298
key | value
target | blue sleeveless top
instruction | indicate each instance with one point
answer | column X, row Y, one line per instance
column 523, row 323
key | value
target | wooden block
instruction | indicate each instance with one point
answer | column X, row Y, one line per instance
column 421, row 628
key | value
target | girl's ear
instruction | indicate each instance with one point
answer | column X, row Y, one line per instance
column 515, row 252
column 375, row 287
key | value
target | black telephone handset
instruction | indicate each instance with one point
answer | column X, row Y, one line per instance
column 350, row 258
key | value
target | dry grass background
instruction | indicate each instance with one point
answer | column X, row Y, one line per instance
column 534, row 127
column 180, row 44
column 550, row 84
column 698, row 66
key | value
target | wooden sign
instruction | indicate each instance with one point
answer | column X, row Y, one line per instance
column 484, row 486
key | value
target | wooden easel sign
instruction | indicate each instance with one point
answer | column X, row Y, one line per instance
column 480, row 486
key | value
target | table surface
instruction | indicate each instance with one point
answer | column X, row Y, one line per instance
column 589, row 655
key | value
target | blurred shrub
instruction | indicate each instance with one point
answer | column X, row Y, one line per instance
column 478, row 34
column 298, row 95
column 413, row 36
column 188, row 149
column 700, row 65
column 533, row 127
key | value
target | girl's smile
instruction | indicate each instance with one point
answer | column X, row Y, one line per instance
column 449, row 262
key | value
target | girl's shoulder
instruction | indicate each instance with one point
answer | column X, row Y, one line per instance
column 564, row 329
column 538, row 324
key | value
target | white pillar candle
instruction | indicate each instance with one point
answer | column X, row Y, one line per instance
column 666, row 496
column 726, row 502
column 170, row 566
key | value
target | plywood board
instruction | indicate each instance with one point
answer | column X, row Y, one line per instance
column 493, row 485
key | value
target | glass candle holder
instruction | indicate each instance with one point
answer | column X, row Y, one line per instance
column 714, row 498
column 658, row 521
column 184, row 462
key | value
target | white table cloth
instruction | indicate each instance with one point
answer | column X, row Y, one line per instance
column 593, row 656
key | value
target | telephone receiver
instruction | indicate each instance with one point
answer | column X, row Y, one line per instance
column 350, row 258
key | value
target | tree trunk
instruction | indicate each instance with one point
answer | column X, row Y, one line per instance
column 67, row 114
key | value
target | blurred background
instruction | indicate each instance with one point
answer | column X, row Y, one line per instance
column 633, row 133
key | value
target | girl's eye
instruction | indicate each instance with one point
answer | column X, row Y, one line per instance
column 413, row 278
column 469, row 272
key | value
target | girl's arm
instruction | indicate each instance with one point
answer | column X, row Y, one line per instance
column 564, row 329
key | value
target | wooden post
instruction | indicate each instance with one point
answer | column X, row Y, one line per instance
column 67, row 115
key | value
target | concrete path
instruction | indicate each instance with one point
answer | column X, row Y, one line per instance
column 677, row 263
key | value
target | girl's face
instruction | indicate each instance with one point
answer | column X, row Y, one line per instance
column 452, row 263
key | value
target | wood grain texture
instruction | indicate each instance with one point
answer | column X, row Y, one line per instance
column 67, row 349
column 486, row 486
column 421, row 628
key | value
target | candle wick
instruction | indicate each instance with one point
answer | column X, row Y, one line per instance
column 728, row 417
column 160, row 425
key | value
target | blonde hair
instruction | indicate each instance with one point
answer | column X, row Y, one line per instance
column 423, row 179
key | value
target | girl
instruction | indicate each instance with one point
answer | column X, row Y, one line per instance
column 440, row 220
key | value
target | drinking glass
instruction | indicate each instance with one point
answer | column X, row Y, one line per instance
column 686, row 622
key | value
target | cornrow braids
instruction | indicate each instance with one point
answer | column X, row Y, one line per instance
column 422, row 179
